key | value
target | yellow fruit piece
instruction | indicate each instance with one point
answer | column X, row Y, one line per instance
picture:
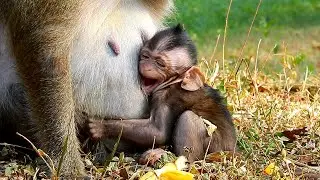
column 149, row 176
column 271, row 169
column 176, row 175
column 170, row 171
column 165, row 168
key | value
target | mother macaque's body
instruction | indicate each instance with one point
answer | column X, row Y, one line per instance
column 59, row 51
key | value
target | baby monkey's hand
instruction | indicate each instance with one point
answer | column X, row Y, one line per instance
column 97, row 129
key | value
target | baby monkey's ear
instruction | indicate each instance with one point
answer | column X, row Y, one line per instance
column 179, row 28
column 193, row 79
column 144, row 38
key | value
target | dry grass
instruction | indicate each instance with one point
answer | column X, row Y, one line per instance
column 263, row 107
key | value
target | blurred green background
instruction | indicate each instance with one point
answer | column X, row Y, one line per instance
column 290, row 25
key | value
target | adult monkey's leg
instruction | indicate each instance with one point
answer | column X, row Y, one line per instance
column 41, row 33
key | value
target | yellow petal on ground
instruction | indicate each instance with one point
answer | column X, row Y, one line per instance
column 149, row 176
column 176, row 175
column 271, row 169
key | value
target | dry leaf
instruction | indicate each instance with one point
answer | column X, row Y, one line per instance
column 211, row 128
column 219, row 156
column 124, row 173
column 292, row 134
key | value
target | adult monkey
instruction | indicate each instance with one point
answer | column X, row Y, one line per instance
column 60, row 51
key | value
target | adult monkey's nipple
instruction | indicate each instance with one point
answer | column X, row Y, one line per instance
column 114, row 47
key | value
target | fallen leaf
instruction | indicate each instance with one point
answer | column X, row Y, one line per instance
column 306, row 159
column 219, row 156
column 260, row 88
column 292, row 134
column 211, row 128
column 124, row 173
column 194, row 170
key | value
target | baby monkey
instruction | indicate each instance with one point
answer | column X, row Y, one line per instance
column 179, row 99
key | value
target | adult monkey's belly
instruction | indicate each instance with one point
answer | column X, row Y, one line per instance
column 106, row 84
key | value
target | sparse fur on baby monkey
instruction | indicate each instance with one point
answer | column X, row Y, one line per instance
column 179, row 100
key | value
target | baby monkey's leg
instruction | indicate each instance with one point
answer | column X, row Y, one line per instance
column 189, row 139
column 190, row 136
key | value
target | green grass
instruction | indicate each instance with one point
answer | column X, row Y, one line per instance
column 205, row 18
column 293, row 25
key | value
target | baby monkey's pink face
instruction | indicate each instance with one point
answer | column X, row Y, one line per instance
column 157, row 66
column 168, row 54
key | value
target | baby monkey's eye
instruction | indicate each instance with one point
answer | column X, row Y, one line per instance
column 160, row 63
column 144, row 56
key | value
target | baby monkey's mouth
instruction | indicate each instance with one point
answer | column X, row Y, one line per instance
column 148, row 84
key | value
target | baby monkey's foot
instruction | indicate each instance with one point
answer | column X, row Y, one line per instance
column 97, row 129
column 151, row 156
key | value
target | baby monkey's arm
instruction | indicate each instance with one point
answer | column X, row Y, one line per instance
column 143, row 132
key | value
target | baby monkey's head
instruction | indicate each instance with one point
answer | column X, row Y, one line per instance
column 168, row 53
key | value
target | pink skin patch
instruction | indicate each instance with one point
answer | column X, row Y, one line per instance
column 114, row 47
column 179, row 58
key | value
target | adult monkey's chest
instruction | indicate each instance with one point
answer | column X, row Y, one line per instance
column 106, row 84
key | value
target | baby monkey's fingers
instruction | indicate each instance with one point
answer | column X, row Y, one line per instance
column 151, row 156
column 97, row 129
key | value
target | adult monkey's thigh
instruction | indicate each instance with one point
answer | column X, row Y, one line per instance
column 41, row 35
